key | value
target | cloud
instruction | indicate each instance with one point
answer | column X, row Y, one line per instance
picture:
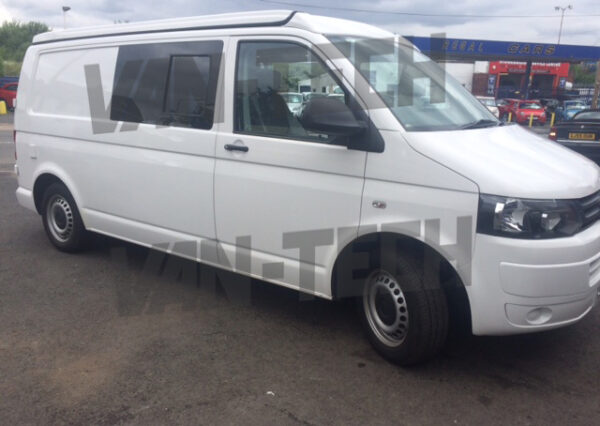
column 5, row 15
column 579, row 27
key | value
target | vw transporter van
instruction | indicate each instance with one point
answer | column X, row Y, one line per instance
column 390, row 183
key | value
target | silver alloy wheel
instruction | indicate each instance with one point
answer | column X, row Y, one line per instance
column 385, row 308
column 59, row 216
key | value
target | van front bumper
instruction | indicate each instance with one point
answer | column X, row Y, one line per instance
column 521, row 286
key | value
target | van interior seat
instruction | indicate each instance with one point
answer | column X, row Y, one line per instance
column 263, row 107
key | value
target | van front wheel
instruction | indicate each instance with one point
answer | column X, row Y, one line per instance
column 404, row 311
column 61, row 219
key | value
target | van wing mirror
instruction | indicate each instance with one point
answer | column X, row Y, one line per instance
column 330, row 116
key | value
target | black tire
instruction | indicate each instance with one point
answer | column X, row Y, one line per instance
column 62, row 220
column 409, row 287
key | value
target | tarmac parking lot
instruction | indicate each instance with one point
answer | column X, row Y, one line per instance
column 117, row 335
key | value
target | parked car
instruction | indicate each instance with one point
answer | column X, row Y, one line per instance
column 8, row 94
column 490, row 103
column 581, row 133
column 308, row 96
column 6, row 80
column 504, row 107
column 568, row 109
column 523, row 110
column 293, row 100
column 550, row 104
column 423, row 212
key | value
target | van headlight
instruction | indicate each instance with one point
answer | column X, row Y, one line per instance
column 525, row 218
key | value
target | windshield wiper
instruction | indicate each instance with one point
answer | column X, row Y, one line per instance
column 479, row 124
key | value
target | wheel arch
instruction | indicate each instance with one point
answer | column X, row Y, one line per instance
column 46, row 178
column 449, row 276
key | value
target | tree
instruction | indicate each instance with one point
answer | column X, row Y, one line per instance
column 15, row 38
column 583, row 75
column 12, row 67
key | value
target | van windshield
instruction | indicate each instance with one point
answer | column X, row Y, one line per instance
column 417, row 90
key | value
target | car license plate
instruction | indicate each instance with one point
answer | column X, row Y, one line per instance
column 583, row 136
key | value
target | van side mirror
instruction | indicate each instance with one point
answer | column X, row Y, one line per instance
column 330, row 116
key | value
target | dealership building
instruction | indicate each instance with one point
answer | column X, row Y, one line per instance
column 504, row 79
column 507, row 69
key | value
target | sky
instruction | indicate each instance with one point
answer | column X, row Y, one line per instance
column 535, row 21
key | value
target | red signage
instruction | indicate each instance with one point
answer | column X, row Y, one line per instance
column 509, row 67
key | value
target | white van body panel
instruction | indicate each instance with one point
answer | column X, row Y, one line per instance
column 282, row 191
column 513, row 278
column 162, row 27
column 511, row 161
column 422, row 205
column 328, row 25
column 160, row 163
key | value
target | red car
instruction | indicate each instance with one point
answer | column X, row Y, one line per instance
column 8, row 93
column 504, row 107
column 522, row 111
column 525, row 109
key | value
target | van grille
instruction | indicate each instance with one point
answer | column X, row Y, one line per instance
column 590, row 207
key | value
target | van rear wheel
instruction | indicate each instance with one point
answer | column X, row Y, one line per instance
column 404, row 310
column 61, row 219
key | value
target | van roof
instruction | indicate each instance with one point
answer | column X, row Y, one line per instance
column 263, row 18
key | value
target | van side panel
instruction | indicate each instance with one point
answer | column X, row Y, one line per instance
column 155, row 175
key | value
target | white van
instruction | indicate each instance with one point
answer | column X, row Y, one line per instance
column 404, row 192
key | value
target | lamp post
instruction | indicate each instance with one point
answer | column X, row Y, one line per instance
column 562, row 16
column 65, row 9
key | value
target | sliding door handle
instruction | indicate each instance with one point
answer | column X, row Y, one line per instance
column 234, row 147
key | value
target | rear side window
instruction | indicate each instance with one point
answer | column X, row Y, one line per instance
column 168, row 84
